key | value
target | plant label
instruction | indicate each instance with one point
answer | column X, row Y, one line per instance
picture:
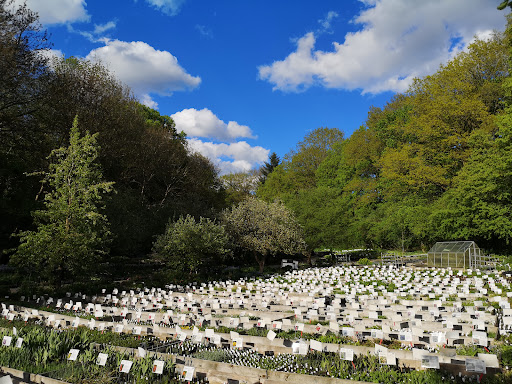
column 158, row 367
column 6, row 341
column 125, row 366
column 347, row 354
column 73, row 354
column 102, row 359
column 188, row 373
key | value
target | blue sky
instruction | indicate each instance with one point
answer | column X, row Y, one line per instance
column 246, row 78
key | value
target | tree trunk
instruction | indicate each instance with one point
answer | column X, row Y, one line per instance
column 260, row 260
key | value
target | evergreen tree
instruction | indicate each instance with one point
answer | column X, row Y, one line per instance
column 71, row 232
column 269, row 166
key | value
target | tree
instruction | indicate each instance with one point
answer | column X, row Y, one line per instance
column 188, row 246
column 322, row 213
column 157, row 176
column 71, row 233
column 264, row 229
column 298, row 170
column 22, row 62
column 310, row 152
column 269, row 166
column 239, row 186
column 23, row 72
column 478, row 205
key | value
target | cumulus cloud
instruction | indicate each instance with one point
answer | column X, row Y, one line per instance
column 233, row 157
column 52, row 54
column 204, row 123
column 145, row 69
column 398, row 40
column 169, row 7
column 57, row 11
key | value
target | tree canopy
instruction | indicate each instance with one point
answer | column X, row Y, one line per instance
column 190, row 246
column 263, row 229
column 430, row 165
column 157, row 176
column 72, row 233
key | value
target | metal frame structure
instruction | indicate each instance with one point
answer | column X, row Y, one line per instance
column 456, row 254
column 392, row 258
column 400, row 260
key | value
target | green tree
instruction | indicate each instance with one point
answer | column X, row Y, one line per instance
column 322, row 213
column 157, row 176
column 478, row 206
column 240, row 185
column 264, row 229
column 188, row 246
column 71, row 233
column 23, row 73
column 298, row 169
column 269, row 166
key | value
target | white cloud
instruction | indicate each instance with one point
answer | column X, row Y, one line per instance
column 242, row 156
column 52, row 54
column 148, row 101
column 96, row 35
column 169, row 7
column 102, row 28
column 398, row 40
column 204, row 123
column 145, row 69
column 325, row 24
column 57, row 11
column 204, row 31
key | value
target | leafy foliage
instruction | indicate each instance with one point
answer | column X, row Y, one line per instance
column 431, row 165
column 239, row 186
column 72, row 234
column 263, row 229
column 190, row 246
column 269, row 166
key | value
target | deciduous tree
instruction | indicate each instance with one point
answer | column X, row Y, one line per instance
column 264, row 229
column 190, row 246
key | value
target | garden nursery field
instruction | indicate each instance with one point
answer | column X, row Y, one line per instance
column 381, row 324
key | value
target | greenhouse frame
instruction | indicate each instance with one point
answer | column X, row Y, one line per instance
column 456, row 254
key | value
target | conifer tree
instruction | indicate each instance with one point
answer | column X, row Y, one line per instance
column 71, row 233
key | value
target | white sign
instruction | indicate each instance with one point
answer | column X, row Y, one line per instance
column 346, row 354
column 102, row 359
column 428, row 361
column 188, row 373
column 158, row 367
column 6, row 341
column 73, row 354
column 475, row 365
column 125, row 366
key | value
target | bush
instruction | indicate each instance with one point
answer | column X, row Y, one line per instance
column 188, row 246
